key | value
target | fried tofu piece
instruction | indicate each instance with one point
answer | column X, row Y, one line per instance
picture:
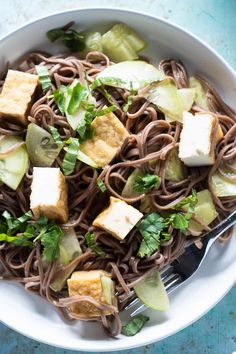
column 95, row 283
column 16, row 96
column 49, row 194
column 109, row 135
column 118, row 219
column 198, row 139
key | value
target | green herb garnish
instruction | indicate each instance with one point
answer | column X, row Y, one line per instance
column 60, row 98
column 190, row 202
column 84, row 128
column 101, row 185
column 69, row 36
column 134, row 325
column 69, row 161
column 130, row 99
column 69, row 98
column 44, row 77
column 146, row 183
column 55, row 134
column 153, row 228
column 90, row 239
column 128, row 104
column 50, row 240
column 107, row 81
column 23, row 234
column 16, row 223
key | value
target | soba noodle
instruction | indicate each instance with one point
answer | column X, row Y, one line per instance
column 152, row 138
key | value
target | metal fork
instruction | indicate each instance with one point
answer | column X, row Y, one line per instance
column 175, row 274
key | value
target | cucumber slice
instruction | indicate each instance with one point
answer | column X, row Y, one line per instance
column 130, row 75
column 145, row 205
column 171, row 101
column 13, row 166
column 164, row 95
column 41, row 147
column 188, row 97
column 121, row 43
column 117, row 48
column 69, row 247
column 128, row 191
column 205, row 210
column 69, row 250
column 93, row 42
column 122, row 30
column 221, row 187
column 200, row 99
column 175, row 170
column 152, row 293
column 86, row 159
column 108, row 290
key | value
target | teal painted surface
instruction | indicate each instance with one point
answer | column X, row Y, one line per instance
column 215, row 22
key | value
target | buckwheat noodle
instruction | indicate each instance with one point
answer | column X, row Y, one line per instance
column 152, row 138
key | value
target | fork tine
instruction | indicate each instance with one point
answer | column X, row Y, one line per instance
column 176, row 279
column 164, row 272
column 170, row 278
column 132, row 303
column 168, row 282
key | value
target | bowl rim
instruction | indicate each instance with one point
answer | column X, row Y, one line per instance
column 223, row 61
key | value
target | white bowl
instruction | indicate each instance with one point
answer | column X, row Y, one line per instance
column 32, row 316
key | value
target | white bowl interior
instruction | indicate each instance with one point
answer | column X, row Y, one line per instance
column 31, row 315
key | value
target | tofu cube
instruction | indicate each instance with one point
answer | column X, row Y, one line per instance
column 118, row 219
column 109, row 135
column 198, row 139
column 95, row 283
column 16, row 95
column 49, row 194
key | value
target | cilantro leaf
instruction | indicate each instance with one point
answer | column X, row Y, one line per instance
column 146, row 183
column 44, row 76
column 101, row 185
column 187, row 205
column 90, row 239
column 178, row 221
column 134, row 325
column 50, row 241
column 190, row 202
column 151, row 229
column 23, row 234
column 70, row 37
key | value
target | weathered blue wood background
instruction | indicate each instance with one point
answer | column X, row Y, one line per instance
column 215, row 22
